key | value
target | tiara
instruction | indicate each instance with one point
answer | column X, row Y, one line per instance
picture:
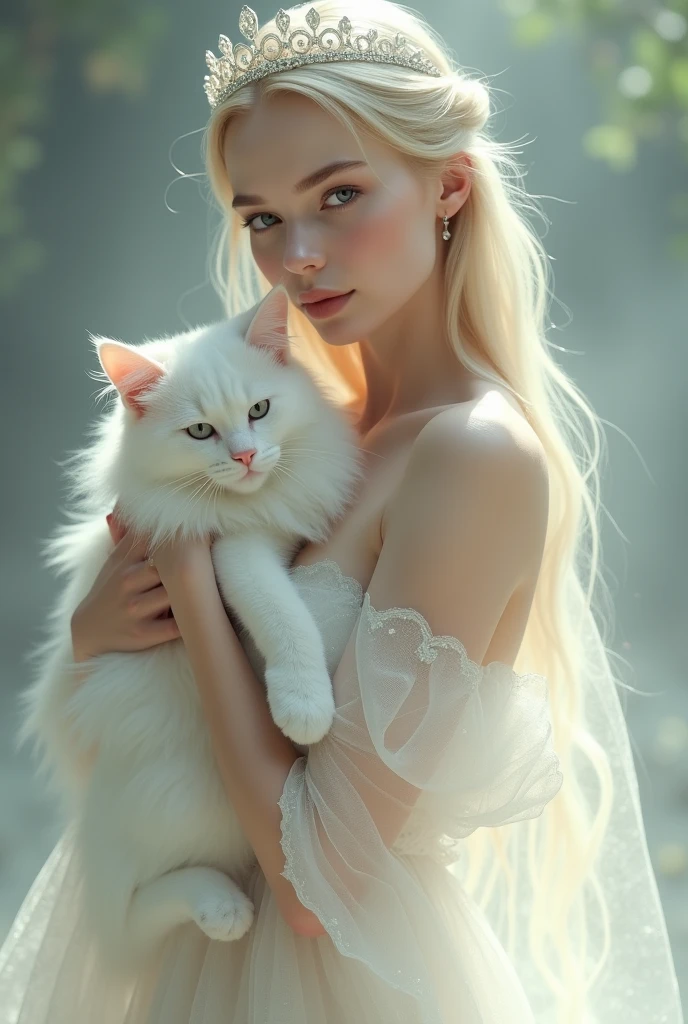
column 243, row 62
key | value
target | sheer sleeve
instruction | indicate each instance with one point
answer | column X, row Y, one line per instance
column 426, row 740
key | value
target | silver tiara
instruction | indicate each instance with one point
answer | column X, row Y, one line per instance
column 244, row 62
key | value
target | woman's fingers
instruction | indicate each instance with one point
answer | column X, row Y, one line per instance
column 128, row 547
column 120, row 532
column 116, row 527
column 163, row 630
column 131, row 554
column 151, row 602
column 115, row 532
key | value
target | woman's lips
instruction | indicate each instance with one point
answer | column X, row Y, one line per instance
column 327, row 307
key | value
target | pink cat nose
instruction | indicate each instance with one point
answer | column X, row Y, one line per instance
column 246, row 456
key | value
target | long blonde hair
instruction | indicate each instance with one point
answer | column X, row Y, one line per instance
column 497, row 289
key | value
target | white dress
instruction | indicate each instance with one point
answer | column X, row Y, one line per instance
column 418, row 725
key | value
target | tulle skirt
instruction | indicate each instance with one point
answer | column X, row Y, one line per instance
column 50, row 973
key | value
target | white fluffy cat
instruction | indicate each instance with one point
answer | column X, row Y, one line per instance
column 157, row 838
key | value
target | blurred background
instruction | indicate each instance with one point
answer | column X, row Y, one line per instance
column 101, row 112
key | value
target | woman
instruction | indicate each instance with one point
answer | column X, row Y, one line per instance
column 470, row 669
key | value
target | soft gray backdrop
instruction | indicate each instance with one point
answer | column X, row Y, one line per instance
column 124, row 265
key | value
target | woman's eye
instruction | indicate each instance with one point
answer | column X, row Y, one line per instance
column 248, row 223
column 347, row 188
column 200, row 431
column 337, row 206
column 260, row 409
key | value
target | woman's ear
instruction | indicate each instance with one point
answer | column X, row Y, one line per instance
column 455, row 185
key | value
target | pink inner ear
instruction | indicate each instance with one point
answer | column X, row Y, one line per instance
column 268, row 328
column 132, row 373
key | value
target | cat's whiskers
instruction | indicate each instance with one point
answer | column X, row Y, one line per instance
column 165, row 492
column 328, row 456
column 215, row 490
column 197, row 495
column 288, row 463
column 366, row 451
column 281, row 469
column 289, row 449
column 190, row 497
column 291, row 458
column 187, row 481
column 289, row 473
column 199, row 492
column 176, row 486
column 313, row 458
column 356, row 446
column 218, row 489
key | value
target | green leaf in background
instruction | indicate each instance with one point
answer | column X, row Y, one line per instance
column 121, row 65
column 11, row 220
column 534, row 28
column 23, row 153
column 649, row 50
column 611, row 143
column 638, row 57
column 678, row 246
column 678, row 74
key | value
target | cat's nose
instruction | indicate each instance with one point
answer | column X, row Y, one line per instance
column 246, row 456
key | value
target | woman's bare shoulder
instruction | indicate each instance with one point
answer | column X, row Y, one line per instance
column 472, row 509
column 492, row 418
column 490, row 449
column 468, row 437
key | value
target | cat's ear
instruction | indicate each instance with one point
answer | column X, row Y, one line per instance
column 132, row 373
column 268, row 328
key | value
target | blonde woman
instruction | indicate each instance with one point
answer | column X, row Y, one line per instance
column 466, row 845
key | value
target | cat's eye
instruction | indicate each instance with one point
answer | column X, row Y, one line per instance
column 200, row 431
column 260, row 409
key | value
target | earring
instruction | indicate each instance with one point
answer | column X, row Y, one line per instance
column 445, row 234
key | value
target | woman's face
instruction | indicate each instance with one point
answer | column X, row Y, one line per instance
column 370, row 228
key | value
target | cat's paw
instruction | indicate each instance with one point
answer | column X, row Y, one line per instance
column 302, row 704
column 224, row 916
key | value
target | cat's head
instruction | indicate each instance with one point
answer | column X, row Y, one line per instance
column 220, row 427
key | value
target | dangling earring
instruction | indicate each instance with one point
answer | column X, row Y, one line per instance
column 445, row 234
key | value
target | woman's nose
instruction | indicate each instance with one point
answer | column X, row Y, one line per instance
column 302, row 252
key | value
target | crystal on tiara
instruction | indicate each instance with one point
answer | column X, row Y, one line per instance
column 245, row 62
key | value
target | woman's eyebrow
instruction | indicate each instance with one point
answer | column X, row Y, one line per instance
column 302, row 186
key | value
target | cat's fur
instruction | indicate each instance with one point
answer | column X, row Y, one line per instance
column 157, row 838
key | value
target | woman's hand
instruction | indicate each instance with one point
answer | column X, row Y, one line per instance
column 127, row 608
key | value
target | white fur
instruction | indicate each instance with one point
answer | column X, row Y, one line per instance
column 128, row 748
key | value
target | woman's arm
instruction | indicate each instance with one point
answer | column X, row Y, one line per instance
column 254, row 757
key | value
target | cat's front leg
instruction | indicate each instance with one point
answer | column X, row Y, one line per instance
column 300, row 699
column 254, row 581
